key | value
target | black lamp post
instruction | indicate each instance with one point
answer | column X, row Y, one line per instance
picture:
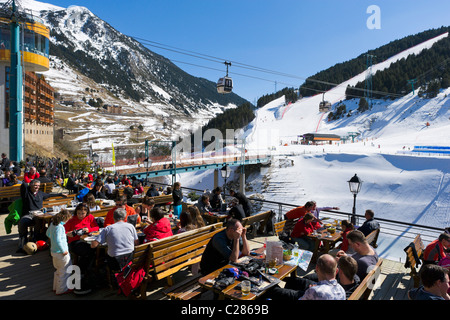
column 148, row 163
column 95, row 158
column 225, row 173
column 355, row 186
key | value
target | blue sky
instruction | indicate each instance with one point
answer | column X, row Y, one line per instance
column 295, row 37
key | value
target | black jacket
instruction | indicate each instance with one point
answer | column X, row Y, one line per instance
column 32, row 202
column 237, row 212
column 177, row 196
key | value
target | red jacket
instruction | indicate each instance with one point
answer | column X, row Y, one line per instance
column 109, row 219
column 344, row 244
column 27, row 177
column 158, row 230
column 74, row 224
column 434, row 251
column 295, row 213
column 301, row 229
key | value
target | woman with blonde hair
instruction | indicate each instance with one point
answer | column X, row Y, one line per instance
column 196, row 217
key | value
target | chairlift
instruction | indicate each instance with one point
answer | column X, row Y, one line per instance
column 225, row 84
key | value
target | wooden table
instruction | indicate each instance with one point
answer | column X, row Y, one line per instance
column 214, row 217
column 231, row 292
column 328, row 241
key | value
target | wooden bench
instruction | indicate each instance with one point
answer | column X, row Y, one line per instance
column 372, row 238
column 167, row 256
column 411, row 261
column 279, row 226
column 162, row 199
column 9, row 194
column 262, row 218
column 58, row 200
column 365, row 288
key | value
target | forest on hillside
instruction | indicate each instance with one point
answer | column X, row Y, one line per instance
column 395, row 78
column 429, row 70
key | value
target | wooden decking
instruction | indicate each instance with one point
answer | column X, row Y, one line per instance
column 25, row 277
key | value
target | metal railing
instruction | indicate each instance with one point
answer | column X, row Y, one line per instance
column 394, row 228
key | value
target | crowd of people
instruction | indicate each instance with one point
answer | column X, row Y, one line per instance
column 336, row 275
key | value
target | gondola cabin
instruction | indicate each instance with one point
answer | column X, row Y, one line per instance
column 324, row 106
column 225, row 85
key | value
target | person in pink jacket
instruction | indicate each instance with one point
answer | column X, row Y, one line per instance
column 160, row 227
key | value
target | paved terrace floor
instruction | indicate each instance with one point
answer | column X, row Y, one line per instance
column 30, row 277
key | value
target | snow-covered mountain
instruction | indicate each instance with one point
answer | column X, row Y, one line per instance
column 89, row 59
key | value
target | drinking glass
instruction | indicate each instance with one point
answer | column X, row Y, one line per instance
column 245, row 287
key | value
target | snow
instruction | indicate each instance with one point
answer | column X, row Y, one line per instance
column 398, row 184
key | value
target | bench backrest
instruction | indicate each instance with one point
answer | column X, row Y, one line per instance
column 411, row 259
column 163, row 199
column 419, row 246
column 58, row 200
column 101, row 212
column 169, row 255
column 14, row 191
column 365, row 288
column 279, row 226
column 373, row 237
column 263, row 216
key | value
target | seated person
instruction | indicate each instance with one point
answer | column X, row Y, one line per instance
column 152, row 191
column 97, row 190
column 304, row 227
column 370, row 224
column 295, row 287
column 31, row 175
column 85, row 221
column 203, row 204
column 109, row 187
column 32, row 200
column 196, row 217
column 139, row 189
column 364, row 254
column 13, row 181
column 185, row 222
column 121, row 202
column 225, row 246
column 120, row 238
column 144, row 209
column 436, row 250
column 300, row 212
column 91, row 202
column 217, row 201
column 159, row 227
column 347, row 226
column 236, row 211
column 435, row 284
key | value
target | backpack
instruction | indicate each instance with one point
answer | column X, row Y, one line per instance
column 129, row 279
column 82, row 193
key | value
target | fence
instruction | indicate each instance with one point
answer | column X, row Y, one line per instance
column 392, row 228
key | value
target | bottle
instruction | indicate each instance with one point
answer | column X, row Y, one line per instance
column 295, row 251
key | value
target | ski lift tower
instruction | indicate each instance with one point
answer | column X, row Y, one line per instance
column 368, row 83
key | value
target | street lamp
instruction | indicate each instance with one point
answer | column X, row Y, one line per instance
column 95, row 158
column 225, row 172
column 355, row 186
column 148, row 163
